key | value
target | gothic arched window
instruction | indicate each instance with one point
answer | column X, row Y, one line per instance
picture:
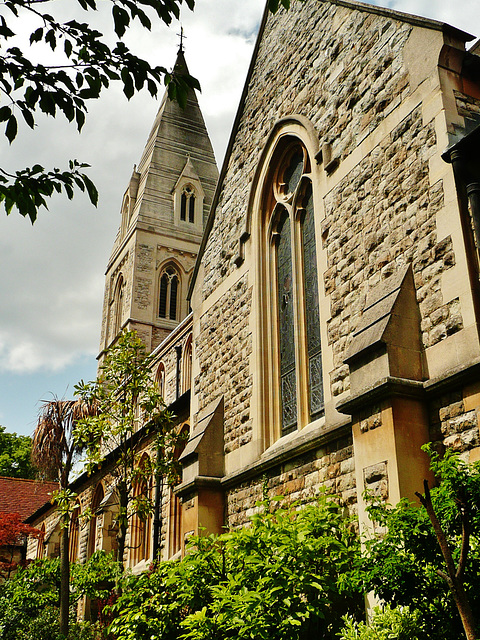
column 74, row 533
column 160, row 379
column 187, row 365
column 175, row 516
column 93, row 527
column 118, row 305
column 141, row 526
column 291, row 290
column 168, row 295
column 187, row 204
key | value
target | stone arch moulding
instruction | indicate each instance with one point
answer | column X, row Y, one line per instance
column 283, row 206
column 296, row 126
column 175, row 266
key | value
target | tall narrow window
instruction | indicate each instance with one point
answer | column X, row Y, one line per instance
column 310, row 283
column 141, row 526
column 41, row 542
column 291, row 292
column 74, row 533
column 286, row 325
column 187, row 365
column 168, row 294
column 118, row 305
column 187, row 204
column 93, row 528
column 175, row 528
column 160, row 379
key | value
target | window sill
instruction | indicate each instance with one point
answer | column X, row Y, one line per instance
column 290, row 446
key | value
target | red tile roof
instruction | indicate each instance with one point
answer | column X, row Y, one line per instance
column 24, row 496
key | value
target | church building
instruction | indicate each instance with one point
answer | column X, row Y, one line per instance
column 314, row 309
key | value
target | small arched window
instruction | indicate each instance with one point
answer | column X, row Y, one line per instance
column 168, row 295
column 41, row 542
column 74, row 533
column 93, row 528
column 187, row 204
column 160, row 379
column 118, row 305
column 176, row 525
column 187, row 365
column 141, row 527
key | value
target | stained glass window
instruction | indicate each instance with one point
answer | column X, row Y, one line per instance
column 286, row 318
column 293, row 286
column 293, row 171
column 310, row 282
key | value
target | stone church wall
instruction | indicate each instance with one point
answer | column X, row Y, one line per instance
column 388, row 200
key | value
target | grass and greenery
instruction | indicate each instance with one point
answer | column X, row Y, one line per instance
column 294, row 573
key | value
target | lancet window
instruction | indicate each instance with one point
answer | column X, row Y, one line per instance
column 187, row 204
column 169, row 293
column 141, row 529
column 292, row 285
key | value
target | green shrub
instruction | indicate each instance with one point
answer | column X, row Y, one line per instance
column 288, row 576
column 386, row 624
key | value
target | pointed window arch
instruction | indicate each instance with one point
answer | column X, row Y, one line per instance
column 160, row 379
column 293, row 383
column 94, row 521
column 175, row 515
column 118, row 305
column 141, row 526
column 74, row 532
column 41, row 542
column 187, row 204
column 168, row 304
column 187, row 365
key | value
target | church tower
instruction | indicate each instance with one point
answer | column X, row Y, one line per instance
column 163, row 214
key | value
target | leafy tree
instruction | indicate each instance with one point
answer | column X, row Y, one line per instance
column 15, row 455
column 420, row 549
column 284, row 577
column 386, row 624
column 128, row 400
column 29, row 601
column 54, row 452
column 85, row 65
column 30, row 592
column 13, row 533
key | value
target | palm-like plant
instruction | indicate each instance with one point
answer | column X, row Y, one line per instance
column 54, row 453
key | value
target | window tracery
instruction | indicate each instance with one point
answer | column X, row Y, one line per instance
column 187, row 204
column 169, row 293
column 290, row 289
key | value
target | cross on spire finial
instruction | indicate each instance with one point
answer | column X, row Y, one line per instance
column 182, row 37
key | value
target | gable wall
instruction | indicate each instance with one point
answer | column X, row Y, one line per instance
column 372, row 92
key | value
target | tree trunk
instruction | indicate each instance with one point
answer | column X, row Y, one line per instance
column 64, row 581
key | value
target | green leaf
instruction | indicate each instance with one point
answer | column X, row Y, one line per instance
column 11, row 129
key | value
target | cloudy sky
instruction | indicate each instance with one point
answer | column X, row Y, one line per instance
column 52, row 273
